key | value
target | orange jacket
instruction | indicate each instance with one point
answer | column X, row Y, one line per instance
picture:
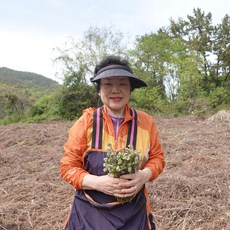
column 80, row 139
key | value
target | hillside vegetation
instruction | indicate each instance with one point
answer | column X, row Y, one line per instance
column 25, row 79
column 20, row 92
column 185, row 65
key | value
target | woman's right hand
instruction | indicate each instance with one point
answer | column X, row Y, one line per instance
column 105, row 184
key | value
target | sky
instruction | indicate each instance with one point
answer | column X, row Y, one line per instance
column 30, row 30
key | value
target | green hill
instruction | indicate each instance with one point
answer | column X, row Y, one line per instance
column 25, row 95
column 25, row 79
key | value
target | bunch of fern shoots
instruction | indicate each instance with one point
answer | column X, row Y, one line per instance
column 125, row 161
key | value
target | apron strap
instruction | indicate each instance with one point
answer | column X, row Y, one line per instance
column 97, row 129
column 132, row 133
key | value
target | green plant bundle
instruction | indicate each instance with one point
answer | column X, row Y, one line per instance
column 125, row 161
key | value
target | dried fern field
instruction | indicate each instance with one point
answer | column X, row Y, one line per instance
column 193, row 192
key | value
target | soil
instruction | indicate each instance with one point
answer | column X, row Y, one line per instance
column 193, row 192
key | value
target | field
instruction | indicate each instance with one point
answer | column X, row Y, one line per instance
column 193, row 192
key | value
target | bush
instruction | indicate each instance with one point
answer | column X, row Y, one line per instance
column 73, row 102
column 148, row 99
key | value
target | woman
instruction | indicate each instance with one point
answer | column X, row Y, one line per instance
column 95, row 205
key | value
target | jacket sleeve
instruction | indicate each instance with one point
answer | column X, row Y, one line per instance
column 155, row 161
column 71, row 164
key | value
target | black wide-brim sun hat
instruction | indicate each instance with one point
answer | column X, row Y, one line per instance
column 118, row 71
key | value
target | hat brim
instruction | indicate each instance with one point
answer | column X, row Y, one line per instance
column 135, row 82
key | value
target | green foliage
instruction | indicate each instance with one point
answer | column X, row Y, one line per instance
column 25, row 79
column 74, row 101
column 188, row 63
column 22, row 98
column 13, row 103
column 125, row 161
column 209, row 43
column 148, row 99
column 45, row 106
column 220, row 98
column 148, row 58
column 80, row 57
column 190, row 79
column 186, row 67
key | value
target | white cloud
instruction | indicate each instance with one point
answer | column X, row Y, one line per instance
column 31, row 29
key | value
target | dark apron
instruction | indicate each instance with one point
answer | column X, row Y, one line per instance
column 94, row 210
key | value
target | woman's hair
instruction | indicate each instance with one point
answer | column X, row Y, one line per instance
column 111, row 60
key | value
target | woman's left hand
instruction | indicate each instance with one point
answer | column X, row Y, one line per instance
column 134, row 182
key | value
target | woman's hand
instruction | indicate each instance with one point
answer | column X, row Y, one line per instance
column 106, row 184
column 133, row 183
column 126, row 186
column 109, row 185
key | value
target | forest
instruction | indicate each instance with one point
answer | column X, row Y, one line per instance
column 185, row 64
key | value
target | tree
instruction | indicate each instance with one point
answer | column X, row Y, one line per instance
column 80, row 57
column 210, row 44
column 221, row 49
column 158, row 58
column 148, row 58
column 73, row 102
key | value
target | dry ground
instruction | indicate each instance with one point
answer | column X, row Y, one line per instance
column 193, row 192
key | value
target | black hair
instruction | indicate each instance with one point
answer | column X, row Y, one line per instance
column 112, row 60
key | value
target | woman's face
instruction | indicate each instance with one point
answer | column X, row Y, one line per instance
column 115, row 93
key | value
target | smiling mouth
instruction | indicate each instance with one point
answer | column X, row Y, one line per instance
column 115, row 98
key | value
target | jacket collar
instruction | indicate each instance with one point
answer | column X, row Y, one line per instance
column 127, row 117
